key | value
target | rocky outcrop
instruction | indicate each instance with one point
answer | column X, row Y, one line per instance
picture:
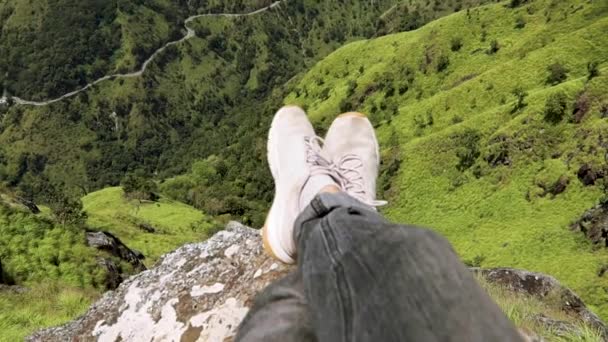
column 594, row 224
column 30, row 205
column 542, row 286
column 107, row 242
column 110, row 243
column 201, row 292
column 588, row 175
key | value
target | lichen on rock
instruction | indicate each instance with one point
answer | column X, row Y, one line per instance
column 200, row 292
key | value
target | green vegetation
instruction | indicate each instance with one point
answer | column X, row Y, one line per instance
column 34, row 249
column 43, row 305
column 61, row 273
column 211, row 95
column 496, row 178
column 524, row 311
column 47, row 57
column 153, row 228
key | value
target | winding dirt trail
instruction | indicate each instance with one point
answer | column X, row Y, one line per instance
column 190, row 33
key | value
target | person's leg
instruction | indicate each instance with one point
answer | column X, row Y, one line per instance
column 366, row 279
column 279, row 314
column 363, row 278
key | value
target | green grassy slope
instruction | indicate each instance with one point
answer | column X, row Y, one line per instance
column 175, row 223
column 43, row 305
column 464, row 161
column 60, row 272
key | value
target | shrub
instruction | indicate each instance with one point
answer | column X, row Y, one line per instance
column 520, row 22
column 517, row 3
column 557, row 73
column 555, row 107
column 468, row 148
column 68, row 211
column 593, row 70
column 443, row 63
column 494, row 47
column 138, row 186
column 456, row 44
column 521, row 94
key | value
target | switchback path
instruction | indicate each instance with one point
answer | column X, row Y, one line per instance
column 190, row 33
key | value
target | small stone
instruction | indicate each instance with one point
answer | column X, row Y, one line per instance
column 257, row 273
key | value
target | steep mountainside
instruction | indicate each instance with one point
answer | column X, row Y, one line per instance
column 54, row 46
column 210, row 95
column 490, row 121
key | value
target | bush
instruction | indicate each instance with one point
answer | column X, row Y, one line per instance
column 593, row 70
column 468, row 148
column 494, row 47
column 517, row 3
column 555, row 107
column 521, row 94
column 443, row 63
column 138, row 185
column 520, row 22
column 68, row 211
column 557, row 73
column 456, row 44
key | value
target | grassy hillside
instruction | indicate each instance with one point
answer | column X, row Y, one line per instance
column 485, row 117
column 174, row 223
column 43, row 305
column 59, row 273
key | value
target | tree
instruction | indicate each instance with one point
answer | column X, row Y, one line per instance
column 138, row 185
column 67, row 210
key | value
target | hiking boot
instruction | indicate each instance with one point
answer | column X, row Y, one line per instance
column 299, row 171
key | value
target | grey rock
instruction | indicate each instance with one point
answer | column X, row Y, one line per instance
column 114, row 275
column 594, row 224
column 541, row 286
column 31, row 206
column 108, row 242
column 200, row 292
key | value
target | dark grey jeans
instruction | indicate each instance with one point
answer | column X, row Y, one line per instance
column 361, row 278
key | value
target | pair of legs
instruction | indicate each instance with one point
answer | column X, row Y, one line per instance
column 361, row 278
